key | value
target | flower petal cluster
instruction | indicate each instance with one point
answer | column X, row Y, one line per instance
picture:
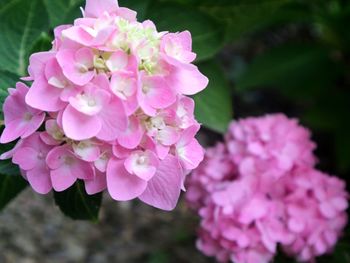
column 260, row 190
column 108, row 105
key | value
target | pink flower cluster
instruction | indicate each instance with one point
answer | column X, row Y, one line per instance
column 260, row 190
column 112, row 97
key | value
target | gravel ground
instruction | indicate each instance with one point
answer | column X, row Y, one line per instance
column 32, row 230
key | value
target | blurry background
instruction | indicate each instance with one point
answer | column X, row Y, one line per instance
column 261, row 56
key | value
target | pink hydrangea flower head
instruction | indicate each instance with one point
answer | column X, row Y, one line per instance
column 112, row 92
column 260, row 190
column 275, row 143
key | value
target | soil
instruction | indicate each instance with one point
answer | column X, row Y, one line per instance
column 32, row 229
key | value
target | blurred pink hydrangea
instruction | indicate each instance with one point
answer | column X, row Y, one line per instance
column 315, row 206
column 272, row 145
column 112, row 95
column 260, row 190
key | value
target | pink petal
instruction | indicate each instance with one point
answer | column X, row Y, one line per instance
column 26, row 158
column 178, row 46
column 92, row 100
column 48, row 139
column 96, row 8
column 34, row 124
column 189, row 80
column 188, row 135
column 168, row 136
column 163, row 190
column 54, row 158
column 76, row 65
column 12, row 131
column 63, row 43
column 62, row 178
column 96, row 185
column 87, row 151
column 37, row 63
column 39, row 179
column 118, row 61
column 82, row 170
column 191, row 155
column 132, row 137
column 44, row 97
column 123, row 186
column 161, row 150
column 127, row 14
column 120, row 152
column 156, row 93
column 142, row 164
column 79, row 35
column 113, row 120
column 78, row 126
column 123, row 84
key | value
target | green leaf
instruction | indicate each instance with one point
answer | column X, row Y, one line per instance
column 282, row 258
column 341, row 253
column 207, row 34
column 296, row 69
column 140, row 6
column 214, row 104
column 77, row 204
column 63, row 11
column 11, row 182
column 159, row 257
column 242, row 16
column 22, row 22
column 44, row 43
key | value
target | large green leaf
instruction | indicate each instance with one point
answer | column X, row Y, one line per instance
column 296, row 69
column 43, row 43
column 77, row 204
column 214, row 104
column 63, row 11
column 11, row 182
column 22, row 22
column 242, row 16
column 207, row 34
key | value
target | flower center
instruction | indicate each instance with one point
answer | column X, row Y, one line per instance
column 68, row 160
column 99, row 63
column 91, row 103
column 28, row 116
column 142, row 160
column 41, row 155
column 82, row 68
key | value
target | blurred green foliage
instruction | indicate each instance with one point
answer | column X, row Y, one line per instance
column 298, row 49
